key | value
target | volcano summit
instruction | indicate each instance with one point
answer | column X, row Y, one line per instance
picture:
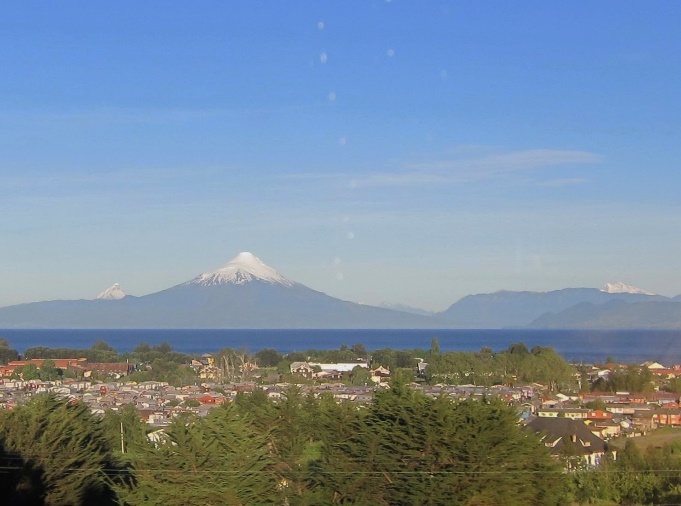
column 244, row 293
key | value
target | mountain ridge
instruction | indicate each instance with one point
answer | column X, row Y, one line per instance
column 246, row 293
column 518, row 309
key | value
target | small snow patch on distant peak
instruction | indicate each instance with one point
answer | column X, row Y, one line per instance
column 243, row 268
column 620, row 287
column 114, row 292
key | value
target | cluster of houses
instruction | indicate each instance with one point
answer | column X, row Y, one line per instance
column 566, row 425
column 158, row 402
column 80, row 366
column 658, row 371
column 320, row 371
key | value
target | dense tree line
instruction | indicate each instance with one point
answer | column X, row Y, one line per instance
column 404, row 448
column 55, row 452
column 632, row 378
column 515, row 365
column 100, row 351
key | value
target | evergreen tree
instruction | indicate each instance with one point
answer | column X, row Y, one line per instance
column 125, row 431
column 67, row 459
column 218, row 460
column 29, row 372
column 7, row 354
column 412, row 449
column 48, row 371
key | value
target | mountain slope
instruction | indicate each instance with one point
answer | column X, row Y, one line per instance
column 518, row 309
column 245, row 293
column 615, row 314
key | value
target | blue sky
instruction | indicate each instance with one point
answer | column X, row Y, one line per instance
column 401, row 151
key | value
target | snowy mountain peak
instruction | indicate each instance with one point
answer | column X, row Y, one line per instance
column 114, row 292
column 243, row 268
column 622, row 288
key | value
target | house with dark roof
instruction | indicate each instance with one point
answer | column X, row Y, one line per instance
column 302, row 368
column 571, row 440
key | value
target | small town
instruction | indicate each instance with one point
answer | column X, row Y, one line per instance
column 594, row 420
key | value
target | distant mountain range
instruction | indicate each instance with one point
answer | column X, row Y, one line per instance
column 554, row 309
column 246, row 293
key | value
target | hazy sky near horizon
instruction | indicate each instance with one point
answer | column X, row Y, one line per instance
column 378, row 151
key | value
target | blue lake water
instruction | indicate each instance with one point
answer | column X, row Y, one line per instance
column 574, row 345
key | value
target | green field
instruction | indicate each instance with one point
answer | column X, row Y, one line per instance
column 658, row 438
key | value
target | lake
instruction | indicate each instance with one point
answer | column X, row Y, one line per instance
column 574, row 345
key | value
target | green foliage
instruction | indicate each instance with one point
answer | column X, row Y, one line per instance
column 518, row 349
column 360, row 376
column 145, row 354
column 516, row 364
column 48, row 371
column 598, row 404
column 101, row 353
column 405, row 359
column 29, row 372
column 162, row 369
column 411, row 449
column 268, row 357
column 384, row 357
column 296, row 356
column 101, row 345
column 142, row 348
column 344, row 354
column 163, row 348
column 7, row 354
column 359, row 350
column 630, row 379
column 404, row 448
column 126, row 423
column 66, row 456
column 394, row 359
column 218, row 460
column 434, row 346
column 653, row 477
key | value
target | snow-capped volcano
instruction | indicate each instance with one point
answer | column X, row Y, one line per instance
column 114, row 292
column 243, row 268
column 622, row 288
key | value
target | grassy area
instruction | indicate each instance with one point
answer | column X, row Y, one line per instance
column 660, row 437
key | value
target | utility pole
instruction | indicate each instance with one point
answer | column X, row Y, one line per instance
column 122, row 447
